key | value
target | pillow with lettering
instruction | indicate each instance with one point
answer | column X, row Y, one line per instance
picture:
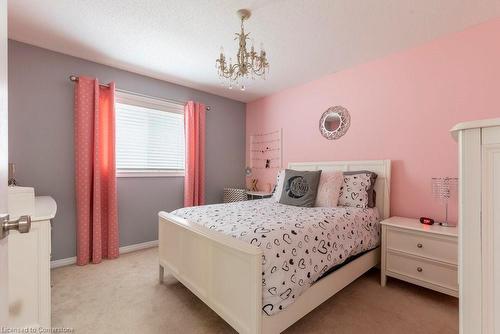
column 300, row 187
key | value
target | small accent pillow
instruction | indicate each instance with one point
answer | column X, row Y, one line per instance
column 357, row 189
column 329, row 186
column 278, row 188
column 300, row 187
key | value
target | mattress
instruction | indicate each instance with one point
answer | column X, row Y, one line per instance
column 299, row 244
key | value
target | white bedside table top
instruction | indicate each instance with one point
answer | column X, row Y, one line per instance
column 258, row 193
column 414, row 224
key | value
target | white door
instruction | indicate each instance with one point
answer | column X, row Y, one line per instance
column 4, row 307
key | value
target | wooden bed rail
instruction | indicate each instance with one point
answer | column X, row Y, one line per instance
column 224, row 272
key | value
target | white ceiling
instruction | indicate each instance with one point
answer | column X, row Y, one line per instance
column 179, row 40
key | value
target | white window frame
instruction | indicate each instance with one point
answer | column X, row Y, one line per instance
column 151, row 103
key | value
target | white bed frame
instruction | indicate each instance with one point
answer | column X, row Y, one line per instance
column 226, row 273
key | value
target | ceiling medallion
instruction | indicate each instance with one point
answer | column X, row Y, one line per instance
column 250, row 64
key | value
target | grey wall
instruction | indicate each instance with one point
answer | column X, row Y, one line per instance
column 41, row 142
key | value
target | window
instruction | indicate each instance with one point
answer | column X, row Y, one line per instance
column 149, row 136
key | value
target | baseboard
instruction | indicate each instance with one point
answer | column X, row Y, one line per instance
column 123, row 250
column 136, row 247
column 62, row 262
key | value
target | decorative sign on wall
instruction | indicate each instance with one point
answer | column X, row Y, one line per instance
column 266, row 150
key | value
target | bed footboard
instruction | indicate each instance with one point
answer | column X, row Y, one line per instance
column 222, row 271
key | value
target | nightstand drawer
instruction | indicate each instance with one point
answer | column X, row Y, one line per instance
column 439, row 274
column 420, row 244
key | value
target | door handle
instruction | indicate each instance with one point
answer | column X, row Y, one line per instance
column 22, row 224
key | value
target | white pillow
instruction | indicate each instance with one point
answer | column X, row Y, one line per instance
column 280, row 180
column 354, row 190
column 329, row 186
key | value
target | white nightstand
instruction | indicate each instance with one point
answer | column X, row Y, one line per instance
column 426, row 255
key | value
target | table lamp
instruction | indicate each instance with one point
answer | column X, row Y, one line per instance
column 442, row 189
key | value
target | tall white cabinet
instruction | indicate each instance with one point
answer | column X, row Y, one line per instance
column 479, row 224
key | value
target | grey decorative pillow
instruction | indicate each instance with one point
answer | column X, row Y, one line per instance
column 357, row 189
column 300, row 187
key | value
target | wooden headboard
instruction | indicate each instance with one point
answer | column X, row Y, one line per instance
column 381, row 167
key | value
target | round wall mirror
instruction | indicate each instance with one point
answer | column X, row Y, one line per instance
column 334, row 122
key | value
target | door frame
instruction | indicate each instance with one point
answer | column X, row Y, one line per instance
column 4, row 158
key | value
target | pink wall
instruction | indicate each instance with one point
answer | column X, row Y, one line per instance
column 401, row 107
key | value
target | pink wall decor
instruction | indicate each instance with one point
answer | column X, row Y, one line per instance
column 95, row 172
column 194, row 179
column 402, row 107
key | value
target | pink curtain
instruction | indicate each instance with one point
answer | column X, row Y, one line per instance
column 194, row 180
column 95, row 176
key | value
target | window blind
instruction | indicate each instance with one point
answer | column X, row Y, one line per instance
column 149, row 135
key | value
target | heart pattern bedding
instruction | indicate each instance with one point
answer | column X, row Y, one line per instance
column 299, row 244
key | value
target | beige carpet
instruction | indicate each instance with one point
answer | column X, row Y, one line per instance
column 123, row 296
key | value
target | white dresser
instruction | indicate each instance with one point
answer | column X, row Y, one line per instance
column 426, row 255
column 479, row 222
column 29, row 269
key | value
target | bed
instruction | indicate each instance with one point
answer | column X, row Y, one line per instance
column 230, row 272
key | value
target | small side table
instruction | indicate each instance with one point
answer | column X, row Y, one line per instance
column 258, row 194
column 426, row 255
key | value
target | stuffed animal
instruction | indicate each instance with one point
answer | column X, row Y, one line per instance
column 253, row 185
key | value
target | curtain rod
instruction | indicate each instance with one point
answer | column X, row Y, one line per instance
column 74, row 78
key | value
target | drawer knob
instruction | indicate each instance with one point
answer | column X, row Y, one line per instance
column 419, row 269
column 419, row 245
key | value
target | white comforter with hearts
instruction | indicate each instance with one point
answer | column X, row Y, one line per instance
column 299, row 244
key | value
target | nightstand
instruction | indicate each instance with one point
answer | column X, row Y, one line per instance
column 258, row 194
column 426, row 255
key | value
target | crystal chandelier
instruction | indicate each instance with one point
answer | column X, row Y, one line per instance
column 249, row 63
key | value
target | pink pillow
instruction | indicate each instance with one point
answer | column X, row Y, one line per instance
column 329, row 186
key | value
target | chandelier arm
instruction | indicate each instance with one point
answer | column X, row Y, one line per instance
column 260, row 67
column 235, row 71
column 225, row 75
column 260, row 71
column 226, row 72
